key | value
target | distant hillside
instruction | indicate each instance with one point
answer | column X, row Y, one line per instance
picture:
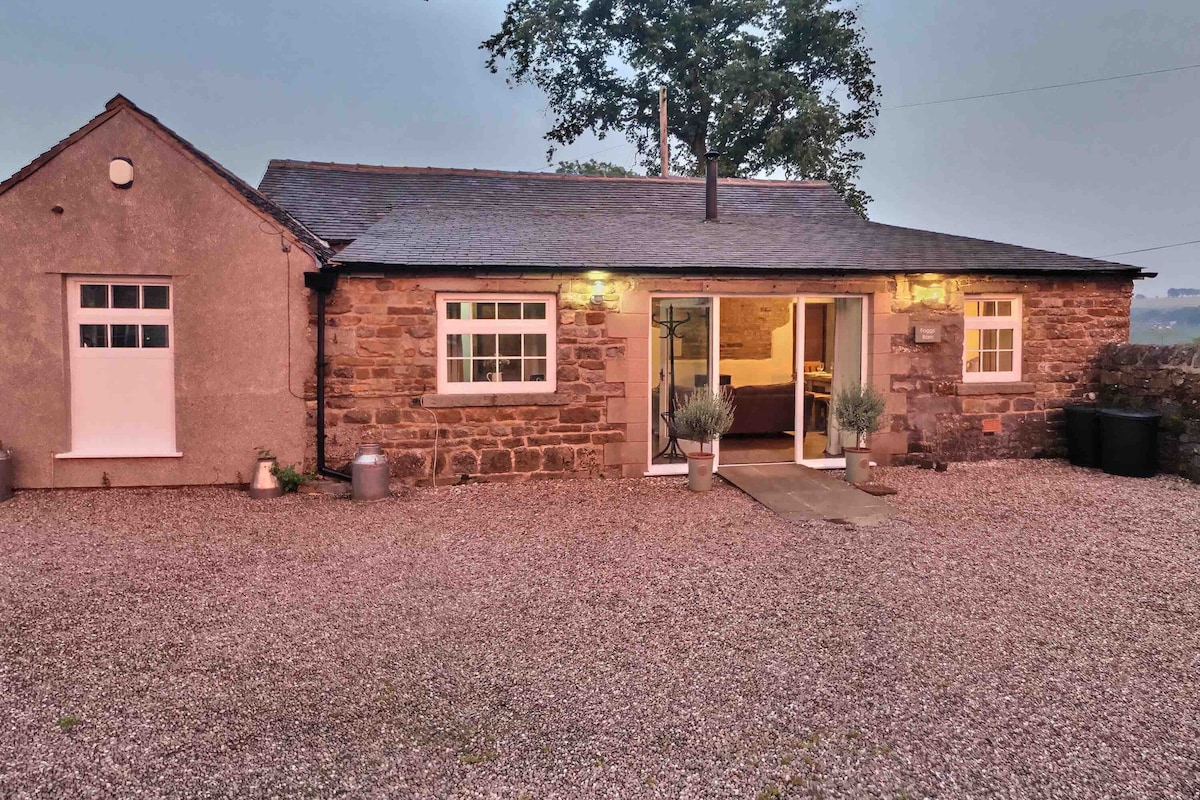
column 1178, row 319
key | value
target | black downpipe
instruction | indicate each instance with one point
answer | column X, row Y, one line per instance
column 323, row 283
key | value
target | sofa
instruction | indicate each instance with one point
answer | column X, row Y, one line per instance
column 763, row 409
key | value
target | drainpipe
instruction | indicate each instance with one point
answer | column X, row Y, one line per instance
column 322, row 282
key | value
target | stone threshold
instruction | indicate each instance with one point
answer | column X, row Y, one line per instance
column 492, row 400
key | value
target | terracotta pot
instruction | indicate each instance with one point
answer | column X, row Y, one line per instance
column 858, row 464
column 700, row 471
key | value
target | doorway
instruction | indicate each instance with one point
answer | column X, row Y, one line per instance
column 782, row 359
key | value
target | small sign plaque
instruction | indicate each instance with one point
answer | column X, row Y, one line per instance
column 991, row 425
column 927, row 334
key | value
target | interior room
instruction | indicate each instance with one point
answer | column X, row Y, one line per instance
column 757, row 364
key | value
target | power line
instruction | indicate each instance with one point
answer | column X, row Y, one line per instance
column 1043, row 88
column 1149, row 249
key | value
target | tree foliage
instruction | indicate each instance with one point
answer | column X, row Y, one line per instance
column 603, row 169
column 783, row 85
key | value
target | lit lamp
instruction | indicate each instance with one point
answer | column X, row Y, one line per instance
column 929, row 290
column 597, row 292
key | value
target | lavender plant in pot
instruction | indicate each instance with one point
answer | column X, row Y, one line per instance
column 703, row 417
column 858, row 408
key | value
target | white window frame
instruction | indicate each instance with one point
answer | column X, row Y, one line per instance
column 88, row 360
column 1013, row 322
column 448, row 327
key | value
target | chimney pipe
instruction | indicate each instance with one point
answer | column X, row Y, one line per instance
column 710, row 185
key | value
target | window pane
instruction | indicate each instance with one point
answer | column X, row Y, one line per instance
column 535, row 369
column 458, row 310
column 971, row 308
column 456, row 370
column 124, row 335
column 1005, row 338
column 485, row 369
column 973, row 361
column 988, row 361
column 156, row 297
column 458, row 345
column 972, row 340
column 511, row 370
column 484, row 344
column 509, row 311
column 93, row 336
column 93, row 295
column 535, row 344
column 154, row 336
column 1004, row 361
column 124, row 297
column 535, row 311
column 1004, row 308
column 989, row 340
column 510, row 344
column 485, row 311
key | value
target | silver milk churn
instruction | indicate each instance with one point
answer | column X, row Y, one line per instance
column 369, row 473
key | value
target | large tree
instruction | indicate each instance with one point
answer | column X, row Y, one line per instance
column 782, row 85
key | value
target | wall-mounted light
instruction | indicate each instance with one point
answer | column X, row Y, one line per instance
column 602, row 289
column 929, row 293
column 120, row 172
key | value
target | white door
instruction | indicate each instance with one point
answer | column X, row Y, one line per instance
column 121, row 339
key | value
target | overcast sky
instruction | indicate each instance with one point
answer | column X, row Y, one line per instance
column 1088, row 170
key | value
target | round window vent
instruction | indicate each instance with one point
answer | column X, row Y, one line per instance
column 120, row 172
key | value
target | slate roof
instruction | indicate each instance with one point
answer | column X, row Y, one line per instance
column 428, row 217
column 251, row 195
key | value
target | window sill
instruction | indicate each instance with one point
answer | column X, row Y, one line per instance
column 117, row 455
column 475, row 400
column 1007, row 387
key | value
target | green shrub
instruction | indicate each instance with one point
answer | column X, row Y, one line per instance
column 859, row 408
column 705, row 415
column 290, row 478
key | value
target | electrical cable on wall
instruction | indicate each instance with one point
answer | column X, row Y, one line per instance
column 433, row 467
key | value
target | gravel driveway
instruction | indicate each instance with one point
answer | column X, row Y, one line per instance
column 1021, row 629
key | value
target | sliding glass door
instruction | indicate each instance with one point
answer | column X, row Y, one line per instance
column 681, row 360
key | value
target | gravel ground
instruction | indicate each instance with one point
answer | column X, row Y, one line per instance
column 1022, row 629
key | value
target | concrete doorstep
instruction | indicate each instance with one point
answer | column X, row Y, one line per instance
column 797, row 492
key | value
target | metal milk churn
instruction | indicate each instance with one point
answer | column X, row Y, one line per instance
column 264, row 484
column 369, row 473
column 6, row 474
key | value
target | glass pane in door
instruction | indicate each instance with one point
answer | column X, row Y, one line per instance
column 680, row 361
column 844, row 366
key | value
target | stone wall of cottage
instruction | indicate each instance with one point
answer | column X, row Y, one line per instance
column 1066, row 324
column 1165, row 379
column 382, row 372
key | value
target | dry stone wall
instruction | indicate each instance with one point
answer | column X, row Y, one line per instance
column 1164, row 379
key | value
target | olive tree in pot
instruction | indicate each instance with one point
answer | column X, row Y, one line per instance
column 703, row 417
column 858, row 408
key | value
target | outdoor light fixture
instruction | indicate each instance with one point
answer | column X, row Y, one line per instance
column 597, row 292
column 933, row 293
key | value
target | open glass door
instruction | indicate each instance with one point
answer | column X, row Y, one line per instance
column 681, row 359
column 831, row 355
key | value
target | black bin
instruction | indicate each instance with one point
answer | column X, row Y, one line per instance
column 1130, row 442
column 1083, row 435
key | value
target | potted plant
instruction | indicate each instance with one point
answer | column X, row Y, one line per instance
column 858, row 408
column 703, row 417
column 264, row 481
